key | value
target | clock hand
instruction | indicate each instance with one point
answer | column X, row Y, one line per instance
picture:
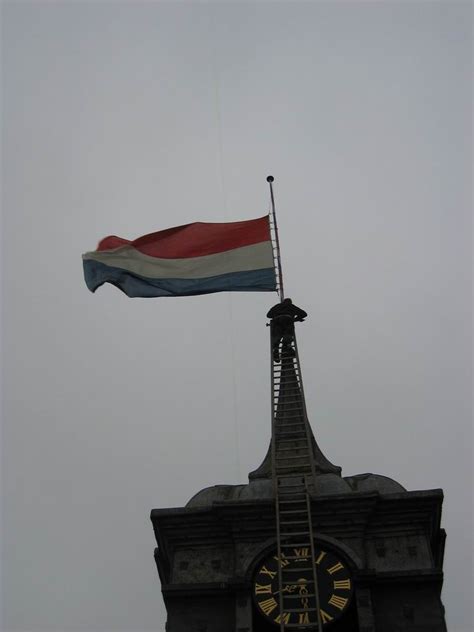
column 288, row 588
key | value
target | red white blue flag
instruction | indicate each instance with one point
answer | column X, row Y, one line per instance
column 198, row 258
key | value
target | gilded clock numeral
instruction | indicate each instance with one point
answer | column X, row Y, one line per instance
column 268, row 605
column 338, row 602
column 286, row 618
column 281, row 560
column 325, row 617
column 303, row 617
column 264, row 571
column 268, row 597
column 342, row 584
column 335, row 568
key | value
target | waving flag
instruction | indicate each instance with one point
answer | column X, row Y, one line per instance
column 198, row 258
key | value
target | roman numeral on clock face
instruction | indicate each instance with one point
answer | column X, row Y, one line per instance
column 286, row 618
column 303, row 617
column 338, row 602
column 268, row 606
column 263, row 589
column 301, row 552
column 264, row 571
column 342, row 584
column 281, row 560
column 335, row 568
column 325, row 617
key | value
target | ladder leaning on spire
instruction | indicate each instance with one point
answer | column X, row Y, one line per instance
column 293, row 474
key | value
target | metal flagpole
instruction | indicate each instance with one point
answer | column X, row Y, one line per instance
column 270, row 180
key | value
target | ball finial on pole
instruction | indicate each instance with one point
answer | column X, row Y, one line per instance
column 270, row 178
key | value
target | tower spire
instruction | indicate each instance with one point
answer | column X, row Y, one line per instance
column 288, row 402
column 293, row 474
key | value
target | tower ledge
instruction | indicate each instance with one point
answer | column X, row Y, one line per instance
column 326, row 485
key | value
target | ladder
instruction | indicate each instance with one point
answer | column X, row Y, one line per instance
column 293, row 474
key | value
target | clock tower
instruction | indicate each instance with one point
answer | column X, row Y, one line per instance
column 301, row 547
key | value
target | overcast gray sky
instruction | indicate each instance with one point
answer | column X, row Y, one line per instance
column 126, row 118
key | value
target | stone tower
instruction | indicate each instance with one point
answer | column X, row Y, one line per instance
column 301, row 547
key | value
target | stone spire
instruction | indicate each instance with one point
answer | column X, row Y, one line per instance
column 290, row 411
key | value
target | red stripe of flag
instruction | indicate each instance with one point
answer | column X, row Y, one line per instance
column 195, row 240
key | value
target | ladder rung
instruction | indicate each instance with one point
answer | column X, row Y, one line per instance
column 289, row 384
column 298, row 447
column 290, row 545
column 280, row 465
column 292, row 502
column 293, row 533
column 305, row 449
column 301, row 494
column 294, row 479
column 293, row 393
column 291, row 425
column 293, row 490
column 286, row 406
column 295, row 467
column 291, row 480
column 297, row 456
column 280, row 453
column 282, row 415
column 290, row 487
column 301, row 609
column 297, row 420
column 292, row 511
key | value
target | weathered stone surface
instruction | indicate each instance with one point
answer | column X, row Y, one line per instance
column 206, row 556
column 390, row 539
column 326, row 484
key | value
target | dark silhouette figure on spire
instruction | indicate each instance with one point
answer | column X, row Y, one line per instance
column 283, row 317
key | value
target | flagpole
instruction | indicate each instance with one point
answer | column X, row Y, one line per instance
column 270, row 180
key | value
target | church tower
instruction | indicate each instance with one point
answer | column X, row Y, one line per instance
column 300, row 547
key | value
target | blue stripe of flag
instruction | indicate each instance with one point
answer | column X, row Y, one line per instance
column 133, row 285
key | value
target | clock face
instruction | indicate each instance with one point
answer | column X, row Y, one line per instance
column 335, row 586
